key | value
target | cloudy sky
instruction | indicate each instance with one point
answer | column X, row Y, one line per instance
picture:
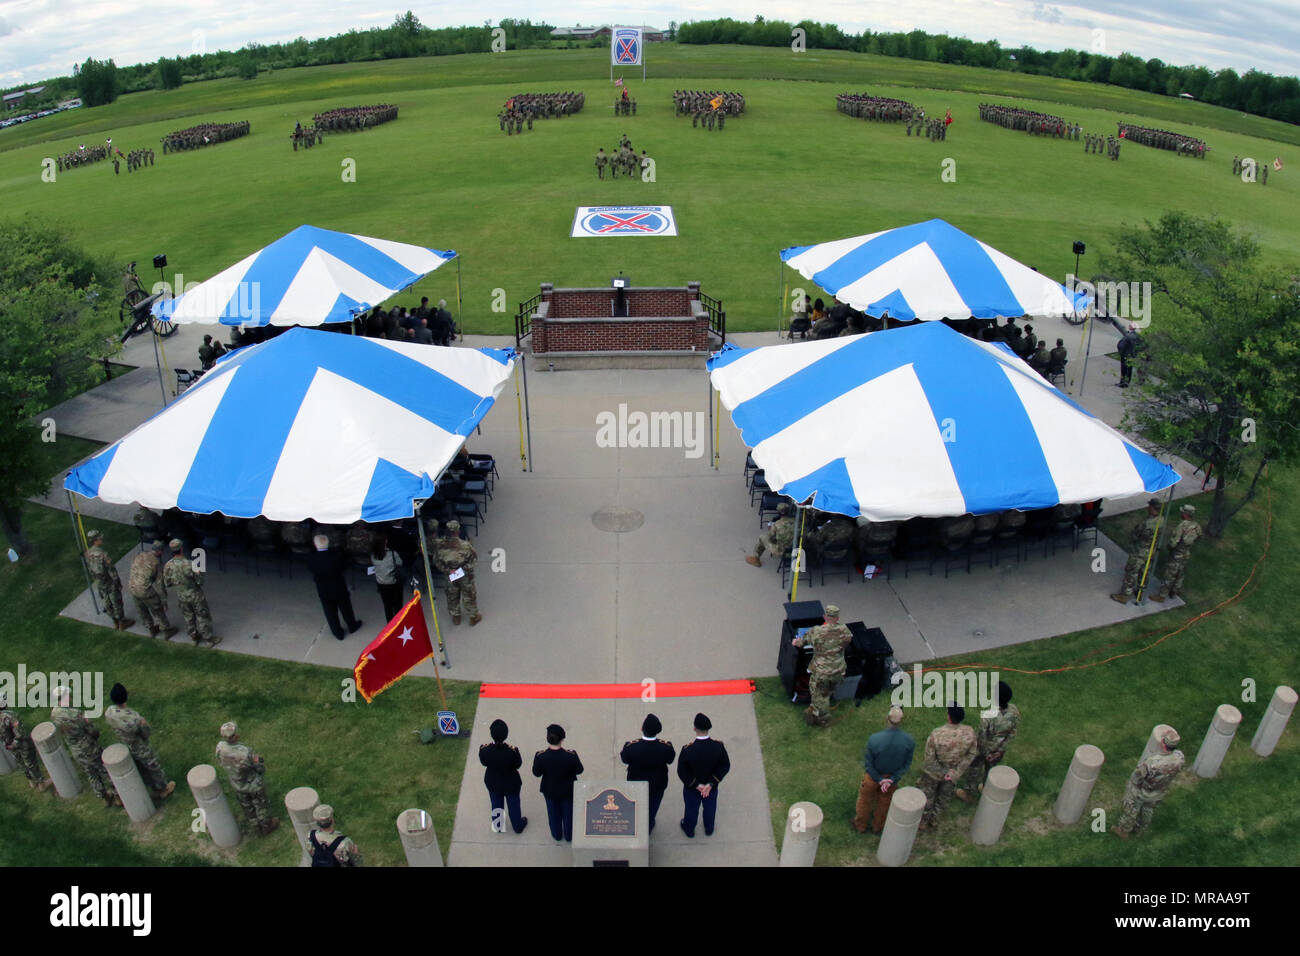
column 43, row 38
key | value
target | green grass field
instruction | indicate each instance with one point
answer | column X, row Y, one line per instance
column 790, row 171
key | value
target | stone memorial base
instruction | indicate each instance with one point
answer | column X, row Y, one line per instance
column 611, row 823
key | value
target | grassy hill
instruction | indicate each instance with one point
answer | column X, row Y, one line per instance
column 790, row 171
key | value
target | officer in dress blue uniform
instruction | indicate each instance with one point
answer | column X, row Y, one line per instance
column 558, row 768
column 700, row 767
column 648, row 759
column 502, row 779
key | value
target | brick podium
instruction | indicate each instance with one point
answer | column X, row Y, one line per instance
column 664, row 327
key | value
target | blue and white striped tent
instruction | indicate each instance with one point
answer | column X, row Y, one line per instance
column 930, row 270
column 309, row 277
column 309, row 424
column 921, row 421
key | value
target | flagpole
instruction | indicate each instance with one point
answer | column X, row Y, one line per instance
column 433, row 604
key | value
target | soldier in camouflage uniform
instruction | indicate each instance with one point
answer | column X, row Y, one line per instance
column 994, row 735
column 833, row 532
column 146, row 587
column 107, row 583
column 1147, row 786
column 328, row 847
column 777, row 539
column 452, row 553
column 180, row 574
column 601, row 162
column 82, row 738
column 18, row 742
column 1140, row 540
column 133, row 732
column 826, row 669
column 949, row 751
column 247, row 773
column 1180, row 547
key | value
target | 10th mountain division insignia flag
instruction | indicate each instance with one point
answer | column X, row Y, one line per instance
column 624, row 221
column 625, row 46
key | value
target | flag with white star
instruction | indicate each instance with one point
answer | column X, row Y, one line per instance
column 400, row 646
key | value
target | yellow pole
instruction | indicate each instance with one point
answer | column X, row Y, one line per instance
column 519, row 407
column 717, row 428
column 797, row 560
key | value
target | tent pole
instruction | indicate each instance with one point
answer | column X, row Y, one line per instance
column 713, row 451
column 158, row 364
column 528, row 417
column 717, row 430
column 430, row 594
column 797, row 560
column 79, row 537
column 1087, row 348
column 460, row 307
column 780, row 305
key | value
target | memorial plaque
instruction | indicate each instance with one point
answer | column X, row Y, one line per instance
column 611, row 814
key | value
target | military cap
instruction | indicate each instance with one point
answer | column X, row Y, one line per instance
column 229, row 730
column 156, row 546
column 832, row 611
column 1170, row 738
column 92, row 534
column 175, row 544
column 651, row 726
column 118, row 694
column 895, row 715
column 452, row 526
column 1154, row 503
column 784, row 508
column 323, row 813
column 1188, row 509
column 702, row 722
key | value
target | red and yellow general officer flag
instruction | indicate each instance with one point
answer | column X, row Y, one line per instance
column 403, row 643
column 716, row 102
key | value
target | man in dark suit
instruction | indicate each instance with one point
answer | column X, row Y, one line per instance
column 558, row 768
column 648, row 759
column 327, row 567
column 702, row 765
column 502, row 778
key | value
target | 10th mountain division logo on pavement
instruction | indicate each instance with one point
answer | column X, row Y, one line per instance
column 624, row 221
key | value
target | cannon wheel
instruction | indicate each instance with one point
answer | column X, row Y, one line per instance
column 162, row 327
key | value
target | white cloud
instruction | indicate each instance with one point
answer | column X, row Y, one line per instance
column 43, row 38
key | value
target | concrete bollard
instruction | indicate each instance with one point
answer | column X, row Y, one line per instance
column 419, row 841
column 995, row 804
column 1079, row 781
column 300, row 802
column 803, row 831
column 1217, row 740
column 1275, row 721
column 67, row 782
column 899, row 834
column 7, row 762
column 218, row 819
column 1154, row 746
column 126, row 780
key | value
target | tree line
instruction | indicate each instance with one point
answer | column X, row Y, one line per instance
column 1276, row 97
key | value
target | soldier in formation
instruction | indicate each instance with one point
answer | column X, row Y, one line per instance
column 995, row 734
column 354, row 117
column 107, row 583
column 1036, row 124
column 949, row 751
column 18, row 742
column 778, row 537
column 1148, row 785
column 697, row 102
column 138, row 159
column 82, row 738
column 883, row 108
column 827, row 667
column 146, row 586
column 456, row 556
column 328, row 846
column 602, row 161
column 525, row 107
column 180, row 575
column 247, row 773
column 648, row 759
column 1180, row 548
column 133, row 731
column 1139, row 548
column 1180, row 143
column 83, row 156
column 205, row 134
